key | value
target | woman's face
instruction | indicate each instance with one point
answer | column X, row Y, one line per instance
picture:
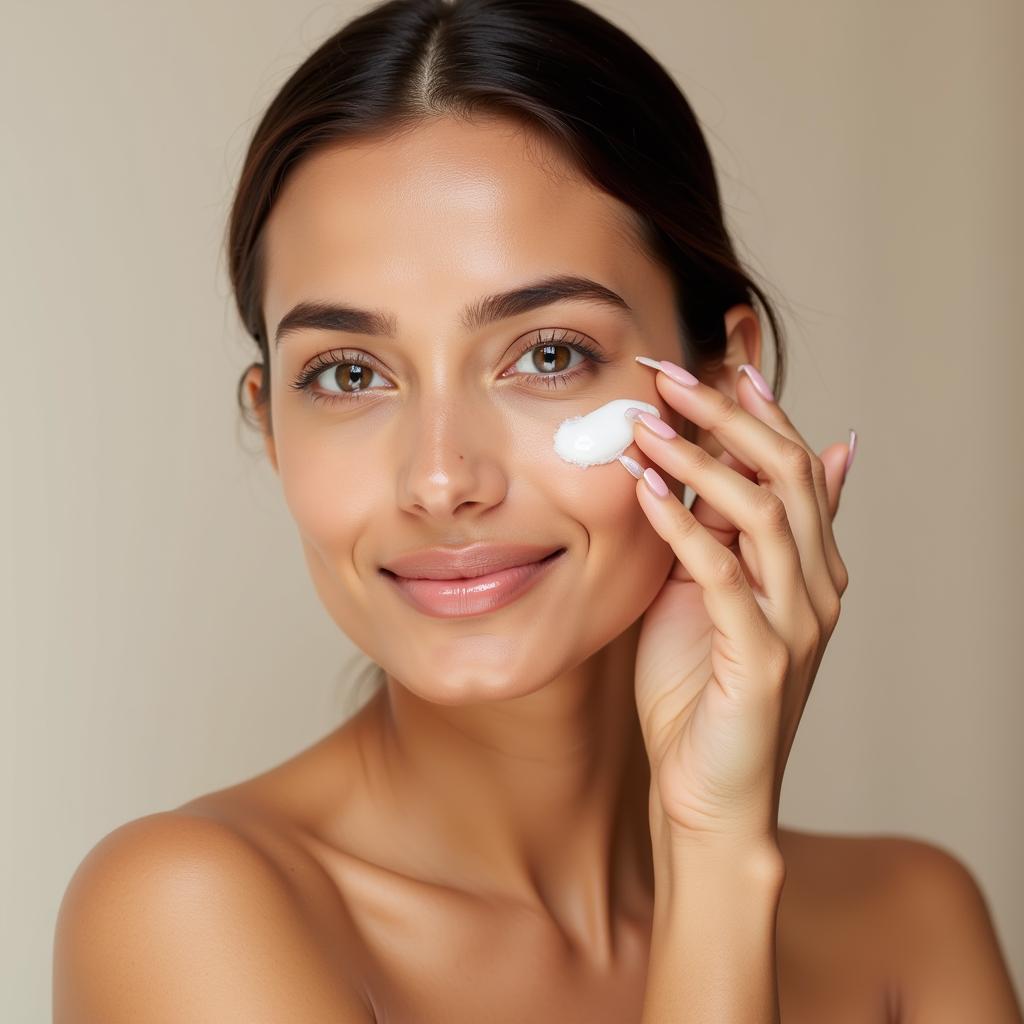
column 445, row 436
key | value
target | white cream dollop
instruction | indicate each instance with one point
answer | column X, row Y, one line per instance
column 601, row 436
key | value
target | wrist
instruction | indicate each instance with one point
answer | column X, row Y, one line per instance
column 754, row 853
column 713, row 937
column 736, row 890
column 755, row 843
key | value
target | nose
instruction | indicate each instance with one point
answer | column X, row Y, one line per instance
column 451, row 460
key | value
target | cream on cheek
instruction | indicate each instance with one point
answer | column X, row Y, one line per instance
column 601, row 436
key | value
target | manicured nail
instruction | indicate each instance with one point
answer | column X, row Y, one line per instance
column 677, row 373
column 654, row 481
column 656, row 484
column 758, row 381
column 653, row 423
column 853, row 449
column 632, row 465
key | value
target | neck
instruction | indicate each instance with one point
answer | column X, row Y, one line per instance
column 540, row 799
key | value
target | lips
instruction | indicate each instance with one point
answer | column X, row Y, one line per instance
column 469, row 562
column 477, row 595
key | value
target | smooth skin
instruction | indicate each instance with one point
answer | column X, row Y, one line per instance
column 731, row 645
column 475, row 843
column 725, row 661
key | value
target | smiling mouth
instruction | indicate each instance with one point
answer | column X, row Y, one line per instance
column 476, row 595
column 476, row 577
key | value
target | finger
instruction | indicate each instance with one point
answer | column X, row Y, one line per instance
column 757, row 511
column 723, row 530
column 837, row 459
column 824, row 477
column 782, row 462
column 834, row 460
column 729, row 601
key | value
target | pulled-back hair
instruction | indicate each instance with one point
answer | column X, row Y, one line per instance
column 555, row 66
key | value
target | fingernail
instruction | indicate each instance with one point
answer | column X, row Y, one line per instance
column 656, row 484
column 653, row 423
column 677, row 373
column 632, row 465
column 758, row 381
column 853, row 450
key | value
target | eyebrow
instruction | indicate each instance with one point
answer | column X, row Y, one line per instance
column 330, row 316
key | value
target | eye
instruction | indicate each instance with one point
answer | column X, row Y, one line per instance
column 350, row 373
column 547, row 358
column 553, row 358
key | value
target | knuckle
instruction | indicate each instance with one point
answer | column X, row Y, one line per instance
column 842, row 579
column 818, row 471
column 772, row 509
column 701, row 458
column 687, row 523
column 726, row 409
column 812, row 636
column 796, row 460
column 831, row 611
column 727, row 571
column 777, row 662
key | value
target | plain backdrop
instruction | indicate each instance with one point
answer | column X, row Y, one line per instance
column 160, row 636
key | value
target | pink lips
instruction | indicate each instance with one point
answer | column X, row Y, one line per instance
column 454, row 598
column 467, row 561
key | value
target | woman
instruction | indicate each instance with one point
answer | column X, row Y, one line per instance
column 459, row 227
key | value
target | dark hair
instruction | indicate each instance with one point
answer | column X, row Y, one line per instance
column 553, row 65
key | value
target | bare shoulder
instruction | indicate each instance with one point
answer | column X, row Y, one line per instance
column 910, row 915
column 178, row 916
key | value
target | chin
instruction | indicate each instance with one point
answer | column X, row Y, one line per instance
column 476, row 669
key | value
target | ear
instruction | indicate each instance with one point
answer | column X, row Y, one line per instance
column 252, row 382
column 742, row 345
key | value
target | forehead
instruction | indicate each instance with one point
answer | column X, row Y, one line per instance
column 442, row 213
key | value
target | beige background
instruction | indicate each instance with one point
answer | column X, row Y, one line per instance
column 159, row 635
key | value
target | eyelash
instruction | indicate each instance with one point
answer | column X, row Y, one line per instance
column 326, row 360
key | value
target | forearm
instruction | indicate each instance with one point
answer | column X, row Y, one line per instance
column 713, row 957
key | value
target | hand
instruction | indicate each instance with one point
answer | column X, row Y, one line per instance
column 729, row 648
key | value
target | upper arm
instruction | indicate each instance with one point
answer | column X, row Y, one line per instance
column 176, row 918
column 952, row 967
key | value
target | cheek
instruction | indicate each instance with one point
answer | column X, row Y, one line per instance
column 331, row 496
column 328, row 488
column 626, row 561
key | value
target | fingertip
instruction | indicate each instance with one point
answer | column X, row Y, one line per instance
column 851, row 453
column 632, row 466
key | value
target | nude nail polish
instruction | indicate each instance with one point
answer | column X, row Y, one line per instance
column 632, row 466
column 653, row 423
column 670, row 369
column 655, row 482
column 758, row 381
